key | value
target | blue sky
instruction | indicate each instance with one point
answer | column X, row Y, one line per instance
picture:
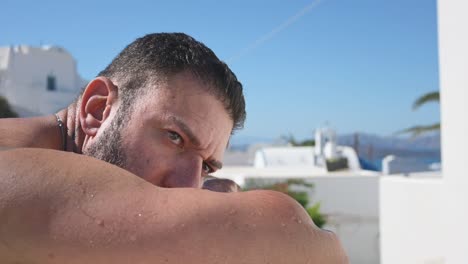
column 356, row 65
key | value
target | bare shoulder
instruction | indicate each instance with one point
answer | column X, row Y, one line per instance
column 292, row 229
column 56, row 198
column 85, row 210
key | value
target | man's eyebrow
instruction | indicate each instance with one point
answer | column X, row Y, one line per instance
column 186, row 129
column 195, row 141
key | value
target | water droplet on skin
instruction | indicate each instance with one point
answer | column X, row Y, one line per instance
column 139, row 214
column 100, row 223
column 92, row 195
column 232, row 212
column 297, row 220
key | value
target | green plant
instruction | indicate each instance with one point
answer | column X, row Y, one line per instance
column 5, row 109
column 314, row 213
column 422, row 100
column 291, row 140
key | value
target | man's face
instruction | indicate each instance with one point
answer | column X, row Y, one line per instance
column 175, row 135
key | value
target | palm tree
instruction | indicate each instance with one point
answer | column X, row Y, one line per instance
column 5, row 109
column 424, row 99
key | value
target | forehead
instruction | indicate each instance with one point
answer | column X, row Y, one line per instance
column 183, row 88
column 189, row 100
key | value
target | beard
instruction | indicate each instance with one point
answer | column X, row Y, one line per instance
column 109, row 148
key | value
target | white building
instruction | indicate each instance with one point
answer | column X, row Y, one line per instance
column 38, row 80
column 423, row 219
column 420, row 218
column 348, row 196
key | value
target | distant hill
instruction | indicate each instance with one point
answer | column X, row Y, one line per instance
column 421, row 143
column 242, row 143
column 425, row 148
column 372, row 148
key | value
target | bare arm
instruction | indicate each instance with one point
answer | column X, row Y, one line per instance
column 58, row 207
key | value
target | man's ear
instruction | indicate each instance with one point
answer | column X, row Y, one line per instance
column 97, row 100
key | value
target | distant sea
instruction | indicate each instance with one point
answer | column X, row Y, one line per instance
column 415, row 159
column 419, row 153
column 414, row 162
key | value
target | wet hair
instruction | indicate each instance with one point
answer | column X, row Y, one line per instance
column 157, row 57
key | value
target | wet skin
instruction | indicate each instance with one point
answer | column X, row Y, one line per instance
column 62, row 207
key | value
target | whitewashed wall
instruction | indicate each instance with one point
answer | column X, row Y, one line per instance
column 24, row 79
column 453, row 66
column 351, row 203
column 38, row 62
column 412, row 217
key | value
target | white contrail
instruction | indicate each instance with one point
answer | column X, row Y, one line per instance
column 275, row 31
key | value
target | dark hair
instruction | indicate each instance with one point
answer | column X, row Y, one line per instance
column 161, row 55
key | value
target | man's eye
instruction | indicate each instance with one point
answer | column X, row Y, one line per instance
column 206, row 168
column 175, row 138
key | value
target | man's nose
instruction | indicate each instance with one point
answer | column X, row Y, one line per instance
column 186, row 173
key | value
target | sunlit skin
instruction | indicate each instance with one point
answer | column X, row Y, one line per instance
column 63, row 207
column 177, row 135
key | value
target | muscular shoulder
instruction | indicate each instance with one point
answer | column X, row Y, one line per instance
column 99, row 208
column 261, row 227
